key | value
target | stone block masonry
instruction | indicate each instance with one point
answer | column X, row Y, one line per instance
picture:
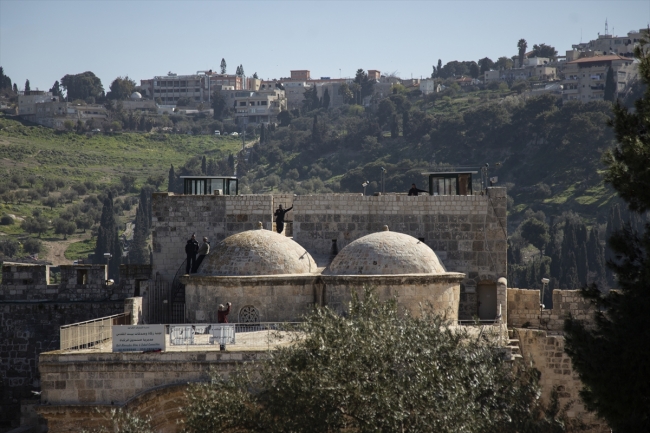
column 176, row 217
column 523, row 309
column 468, row 233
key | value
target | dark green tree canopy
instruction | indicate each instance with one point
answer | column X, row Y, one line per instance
column 223, row 65
column 82, row 86
column 612, row 358
column 5, row 81
column 521, row 47
column 121, row 88
column 543, row 50
column 375, row 370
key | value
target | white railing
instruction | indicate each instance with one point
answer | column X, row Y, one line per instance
column 235, row 335
column 85, row 335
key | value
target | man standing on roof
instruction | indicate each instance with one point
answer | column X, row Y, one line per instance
column 191, row 248
column 203, row 251
column 279, row 218
column 414, row 190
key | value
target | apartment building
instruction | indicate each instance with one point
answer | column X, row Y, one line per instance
column 54, row 113
column 27, row 101
column 197, row 88
column 585, row 78
column 258, row 107
column 535, row 67
column 608, row 44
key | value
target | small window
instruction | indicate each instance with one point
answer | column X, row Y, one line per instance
column 82, row 276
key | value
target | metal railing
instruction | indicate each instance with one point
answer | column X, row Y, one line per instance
column 240, row 335
column 85, row 335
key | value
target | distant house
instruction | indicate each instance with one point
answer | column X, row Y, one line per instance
column 585, row 78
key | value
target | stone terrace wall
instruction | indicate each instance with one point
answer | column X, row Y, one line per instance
column 176, row 217
column 523, row 308
column 30, row 283
column 26, row 330
column 546, row 353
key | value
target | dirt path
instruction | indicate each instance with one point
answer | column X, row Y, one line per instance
column 55, row 250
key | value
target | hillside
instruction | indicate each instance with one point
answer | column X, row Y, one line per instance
column 52, row 176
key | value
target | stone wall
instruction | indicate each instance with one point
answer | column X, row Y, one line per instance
column 176, row 217
column 23, row 282
column 282, row 298
column 523, row 309
column 413, row 292
column 26, row 330
column 31, row 312
column 75, row 386
column 468, row 233
column 546, row 353
column 131, row 277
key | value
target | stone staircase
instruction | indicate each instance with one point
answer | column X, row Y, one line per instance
column 512, row 349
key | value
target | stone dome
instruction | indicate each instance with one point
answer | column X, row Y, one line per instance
column 386, row 253
column 136, row 95
column 257, row 252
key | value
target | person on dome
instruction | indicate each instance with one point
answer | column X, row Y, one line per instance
column 191, row 248
column 279, row 218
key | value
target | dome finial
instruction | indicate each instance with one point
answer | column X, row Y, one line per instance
column 260, row 226
column 385, row 228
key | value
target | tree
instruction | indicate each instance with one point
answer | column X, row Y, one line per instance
column 5, row 81
column 27, row 87
column 219, row 105
column 223, row 66
column 612, row 357
column 326, row 99
column 536, row 233
column 385, row 111
column 121, row 88
column 82, row 86
column 474, row 70
column 35, row 225
column 63, row 227
column 15, row 88
column 504, row 63
column 394, row 127
column 255, row 76
column 521, row 46
column 171, row 182
column 311, row 101
column 373, row 370
column 485, row 64
column 610, row 86
column 366, row 85
column 543, row 50
column 346, row 93
column 204, row 165
column 56, row 89
column 284, row 118
column 107, row 240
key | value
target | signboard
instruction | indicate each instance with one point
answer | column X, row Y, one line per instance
column 138, row 338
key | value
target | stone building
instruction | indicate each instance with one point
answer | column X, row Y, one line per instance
column 270, row 278
column 467, row 233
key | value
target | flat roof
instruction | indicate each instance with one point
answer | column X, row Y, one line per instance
column 208, row 177
column 450, row 172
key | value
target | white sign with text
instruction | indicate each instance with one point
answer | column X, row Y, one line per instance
column 138, row 338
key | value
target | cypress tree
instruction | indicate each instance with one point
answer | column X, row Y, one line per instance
column 326, row 99
column 231, row 164
column 171, row 183
column 204, row 165
column 614, row 224
column 610, row 86
column 212, row 167
column 262, row 133
column 139, row 253
column 596, row 258
column 394, row 127
column 405, row 123
column 107, row 240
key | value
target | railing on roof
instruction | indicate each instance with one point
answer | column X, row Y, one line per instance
column 85, row 335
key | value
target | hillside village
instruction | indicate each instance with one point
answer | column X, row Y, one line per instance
column 102, row 187
column 581, row 74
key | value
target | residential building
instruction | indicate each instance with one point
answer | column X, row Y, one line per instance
column 258, row 107
column 428, row 86
column 300, row 75
column 54, row 113
column 608, row 44
column 197, row 88
column 585, row 78
column 27, row 101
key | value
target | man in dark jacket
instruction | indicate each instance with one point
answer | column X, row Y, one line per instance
column 414, row 190
column 203, row 251
column 191, row 248
column 279, row 218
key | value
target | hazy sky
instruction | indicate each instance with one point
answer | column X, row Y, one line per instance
column 44, row 40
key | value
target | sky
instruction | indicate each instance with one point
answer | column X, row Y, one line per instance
column 44, row 40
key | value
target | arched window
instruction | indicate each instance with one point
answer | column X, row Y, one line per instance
column 249, row 314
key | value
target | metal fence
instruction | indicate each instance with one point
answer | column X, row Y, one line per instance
column 85, row 335
column 237, row 335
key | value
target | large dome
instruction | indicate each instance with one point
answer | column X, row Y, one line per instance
column 386, row 253
column 257, row 252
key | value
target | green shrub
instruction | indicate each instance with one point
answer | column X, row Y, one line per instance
column 6, row 220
